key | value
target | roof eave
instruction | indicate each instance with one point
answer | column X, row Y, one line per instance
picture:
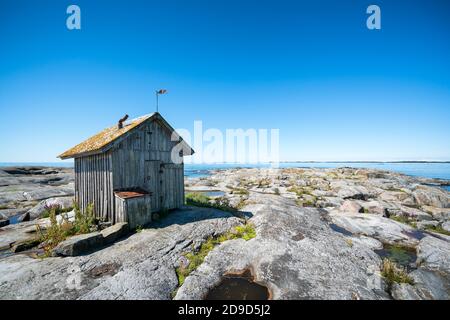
column 83, row 154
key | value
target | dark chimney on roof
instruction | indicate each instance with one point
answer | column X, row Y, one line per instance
column 121, row 121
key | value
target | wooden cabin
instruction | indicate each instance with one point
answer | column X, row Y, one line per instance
column 130, row 170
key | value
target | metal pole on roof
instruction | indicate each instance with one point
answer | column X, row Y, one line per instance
column 157, row 101
column 158, row 92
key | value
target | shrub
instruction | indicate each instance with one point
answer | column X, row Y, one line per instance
column 59, row 231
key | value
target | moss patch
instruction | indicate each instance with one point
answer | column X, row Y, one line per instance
column 195, row 259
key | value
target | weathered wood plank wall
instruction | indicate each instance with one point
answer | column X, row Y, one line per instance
column 120, row 211
column 93, row 184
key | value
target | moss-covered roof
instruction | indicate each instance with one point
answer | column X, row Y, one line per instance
column 103, row 138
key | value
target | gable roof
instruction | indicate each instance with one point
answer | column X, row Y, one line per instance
column 104, row 140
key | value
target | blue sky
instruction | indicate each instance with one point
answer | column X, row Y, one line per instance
column 336, row 90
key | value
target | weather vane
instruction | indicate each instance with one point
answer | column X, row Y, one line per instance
column 158, row 92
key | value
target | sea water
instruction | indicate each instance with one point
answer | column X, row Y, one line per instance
column 440, row 170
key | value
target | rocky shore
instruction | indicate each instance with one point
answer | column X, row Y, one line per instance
column 320, row 234
column 23, row 188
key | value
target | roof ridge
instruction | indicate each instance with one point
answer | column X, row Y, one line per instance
column 100, row 141
column 104, row 137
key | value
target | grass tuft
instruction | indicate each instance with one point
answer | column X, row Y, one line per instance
column 222, row 203
column 197, row 199
column 394, row 273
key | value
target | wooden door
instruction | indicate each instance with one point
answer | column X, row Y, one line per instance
column 153, row 182
column 172, row 187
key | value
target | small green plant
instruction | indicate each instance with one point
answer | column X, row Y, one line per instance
column 246, row 231
column 394, row 274
column 195, row 259
column 84, row 222
column 139, row 228
column 349, row 242
column 46, row 214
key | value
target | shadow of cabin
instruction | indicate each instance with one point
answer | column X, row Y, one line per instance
column 130, row 170
column 191, row 214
